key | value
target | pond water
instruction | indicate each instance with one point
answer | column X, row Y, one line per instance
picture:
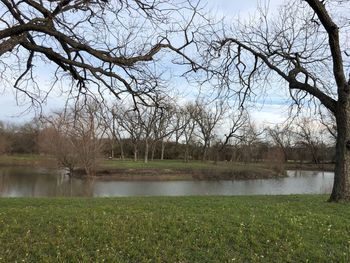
column 25, row 182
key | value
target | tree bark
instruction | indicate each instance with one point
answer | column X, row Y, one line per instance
column 341, row 187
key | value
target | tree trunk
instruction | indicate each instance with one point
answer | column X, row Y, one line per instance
column 186, row 159
column 284, row 150
column 112, row 150
column 204, row 151
column 121, row 150
column 135, row 153
column 204, row 154
column 314, row 154
column 341, row 187
column 162, row 151
column 153, row 150
column 146, row 151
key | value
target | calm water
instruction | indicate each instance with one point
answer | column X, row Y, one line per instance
column 16, row 182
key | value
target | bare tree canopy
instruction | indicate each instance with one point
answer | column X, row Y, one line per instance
column 302, row 47
column 93, row 45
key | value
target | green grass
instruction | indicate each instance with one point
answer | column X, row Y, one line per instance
column 156, row 164
column 175, row 229
column 20, row 157
column 42, row 160
column 25, row 160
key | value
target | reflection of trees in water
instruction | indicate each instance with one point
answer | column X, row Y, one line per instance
column 63, row 185
column 89, row 186
column 34, row 182
column 71, row 186
column 42, row 182
column 326, row 189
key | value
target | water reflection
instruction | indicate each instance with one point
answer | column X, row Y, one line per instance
column 17, row 182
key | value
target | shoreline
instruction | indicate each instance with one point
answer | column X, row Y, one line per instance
column 169, row 170
column 156, row 174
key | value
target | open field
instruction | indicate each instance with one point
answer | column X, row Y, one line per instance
column 175, row 229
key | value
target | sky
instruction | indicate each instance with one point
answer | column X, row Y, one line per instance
column 271, row 109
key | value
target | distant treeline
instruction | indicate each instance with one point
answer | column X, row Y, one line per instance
column 78, row 136
column 271, row 143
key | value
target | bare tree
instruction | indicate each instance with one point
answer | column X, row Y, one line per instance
column 74, row 136
column 129, row 120
column 165, row 126
column 237, row 119
column 189, row 125
column 302, row 46
column 87, row 133
column 281, row 137
column 54, row 139
column 207, row 117
column 249, row 140
column 150, row 116
column 107, row 45
column 113, row 130
column 310, row 134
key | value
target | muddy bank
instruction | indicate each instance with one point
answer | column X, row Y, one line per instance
column 181, row 174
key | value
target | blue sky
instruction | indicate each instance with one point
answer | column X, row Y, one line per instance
column 270, row 109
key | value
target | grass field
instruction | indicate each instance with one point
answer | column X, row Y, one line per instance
column 175, row 229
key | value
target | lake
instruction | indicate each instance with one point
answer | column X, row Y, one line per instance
column 35, row 182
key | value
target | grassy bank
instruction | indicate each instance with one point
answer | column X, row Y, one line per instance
column 36, row 159
column 157, row 169
column 179, row 170
column 175, row 229
column 170, row 169
column 27, row 160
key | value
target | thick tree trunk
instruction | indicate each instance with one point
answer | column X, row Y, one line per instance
column 341, row 187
